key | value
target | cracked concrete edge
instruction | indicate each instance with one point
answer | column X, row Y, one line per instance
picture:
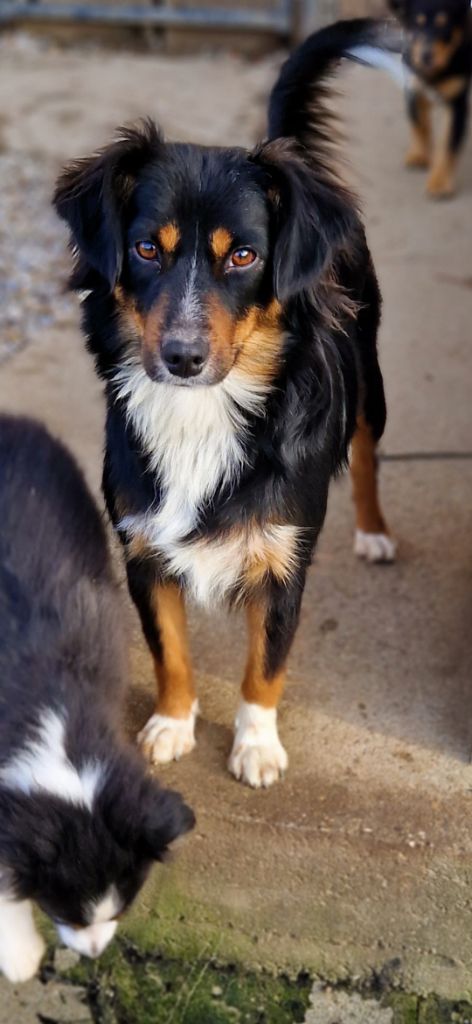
column 333, row 1007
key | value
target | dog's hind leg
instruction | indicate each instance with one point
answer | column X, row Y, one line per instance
column 372, row 539
column 441, row 182
column 170, row 732
column 258, row 757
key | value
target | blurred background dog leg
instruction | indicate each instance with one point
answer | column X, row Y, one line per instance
column 419, row 112
column 442, row 180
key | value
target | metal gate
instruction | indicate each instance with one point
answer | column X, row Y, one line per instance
column 276, row 18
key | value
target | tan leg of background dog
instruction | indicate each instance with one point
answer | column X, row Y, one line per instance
column 441, row 181
column 169, row 733
column 419, row 153
column 258, row 756
column 372, row 539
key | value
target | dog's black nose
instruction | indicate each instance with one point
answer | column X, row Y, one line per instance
column 183, row 358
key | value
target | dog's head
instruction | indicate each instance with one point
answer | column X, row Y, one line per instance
column 436, row 29
column 201, row 248
column 84, row 865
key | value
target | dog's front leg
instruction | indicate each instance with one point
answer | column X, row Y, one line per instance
column 419, row 112
column 170, row 732
column 21, row 947
column 258, row 757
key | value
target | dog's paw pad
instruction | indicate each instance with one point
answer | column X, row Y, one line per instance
column 165, row 739
column 258, row 757
column 18, row 962
column 374, row 547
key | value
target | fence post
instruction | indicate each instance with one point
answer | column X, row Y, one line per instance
column 309, row 15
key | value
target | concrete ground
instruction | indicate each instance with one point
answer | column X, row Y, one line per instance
column 360, row 860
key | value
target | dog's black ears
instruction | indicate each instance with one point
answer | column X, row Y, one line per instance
column 92, row 193
column 314, row 217
column 164, row 818
column 141, row 815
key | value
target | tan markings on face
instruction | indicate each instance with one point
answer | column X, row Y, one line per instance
column 176, row 690
column 169, row 237
column 221, row 335
column 257, row 687
column 259, row 341
column 221, row 241
column 441, row 19
column 152, row 326
column 420, row 19
column 133, row 320
column 443, row 52
column 452, row 87
column 253, row 343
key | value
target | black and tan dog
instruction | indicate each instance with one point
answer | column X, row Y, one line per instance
column 232, row 309
column 438, row 53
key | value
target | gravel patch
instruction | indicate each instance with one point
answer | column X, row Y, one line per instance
column 33, row 257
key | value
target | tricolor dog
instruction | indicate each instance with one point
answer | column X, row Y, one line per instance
column 232, row 309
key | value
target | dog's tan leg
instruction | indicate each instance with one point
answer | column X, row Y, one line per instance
column 372, row 537
column 441, row 182
column 258, row 756
column 169, row 733
column 419, row 153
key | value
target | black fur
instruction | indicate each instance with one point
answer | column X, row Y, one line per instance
column 285, row 200
column 63, row 649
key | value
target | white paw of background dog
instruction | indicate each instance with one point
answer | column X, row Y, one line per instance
column 258, row 757
column 374, row 547
column 165, row 739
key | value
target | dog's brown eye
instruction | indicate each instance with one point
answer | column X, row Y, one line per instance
column 421, row 19
column 242, row 257
column 147, row 250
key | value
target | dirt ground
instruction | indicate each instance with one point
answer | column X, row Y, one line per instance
column 361, row 858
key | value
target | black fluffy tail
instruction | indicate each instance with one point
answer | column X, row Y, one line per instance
column 297, row 106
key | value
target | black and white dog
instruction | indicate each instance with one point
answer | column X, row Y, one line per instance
column 81, row 822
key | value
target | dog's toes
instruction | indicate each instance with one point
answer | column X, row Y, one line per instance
column 374, row 547
column 258, row 766
column 165, row 739
column 258, row 757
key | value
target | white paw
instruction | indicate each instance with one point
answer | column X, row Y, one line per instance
column 258, row 756
column 374, row 547
column 19, row 960
column 165, row 739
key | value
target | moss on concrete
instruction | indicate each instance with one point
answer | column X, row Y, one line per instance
column 434, row 1010
column 128, row 986
column 404, row 1006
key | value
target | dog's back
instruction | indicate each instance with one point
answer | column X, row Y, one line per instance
column 60, row 614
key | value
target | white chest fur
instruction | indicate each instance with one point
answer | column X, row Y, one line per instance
column 195, row 442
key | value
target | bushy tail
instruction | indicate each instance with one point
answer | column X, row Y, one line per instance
column 297, row 105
